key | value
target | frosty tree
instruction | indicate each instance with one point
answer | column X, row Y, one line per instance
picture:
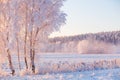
column 45, row 17
column 6, row 30
column 31, row 19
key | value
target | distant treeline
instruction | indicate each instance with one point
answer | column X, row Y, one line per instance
column 90, row 43
column 109, row 37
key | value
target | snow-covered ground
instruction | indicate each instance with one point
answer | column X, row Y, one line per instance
column 111, row 74
column 68, row 67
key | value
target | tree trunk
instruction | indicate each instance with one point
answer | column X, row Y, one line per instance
column 25, row 50
column 32, row 53
column 10, row 62
column 25, row 42
column 33, row 57
column 18, row 53
column 32, row 60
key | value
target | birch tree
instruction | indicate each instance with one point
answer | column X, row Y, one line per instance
column 16, row 26
column 36, row 18
column 46, row 17
column 5, row 15
column 9, row 27
column 23, row 14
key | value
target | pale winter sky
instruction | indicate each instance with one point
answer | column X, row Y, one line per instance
column 84, row 16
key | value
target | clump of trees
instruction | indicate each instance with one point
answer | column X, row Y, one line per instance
column 24, row 23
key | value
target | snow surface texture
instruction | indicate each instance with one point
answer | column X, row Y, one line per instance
column 67, row 67
column 112, row 74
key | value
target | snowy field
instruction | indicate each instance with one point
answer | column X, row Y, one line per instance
column 111, row 74
column 67, row 67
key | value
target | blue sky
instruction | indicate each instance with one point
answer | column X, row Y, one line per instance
column 86, row 16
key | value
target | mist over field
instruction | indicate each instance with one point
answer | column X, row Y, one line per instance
column 96, row 47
